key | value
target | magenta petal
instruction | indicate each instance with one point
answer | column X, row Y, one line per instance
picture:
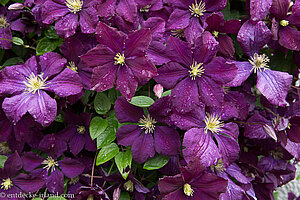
column 193, row 31
column 67, row 25
column 280, row 8
column 70, row 167
column 12, row 165
column 259, row 9
column 206, row 47
column 137, row 43
column 143, row 148
column 87, row 20
column 104, row 77
column 252, row 37
column 215, row 5
column 6, row 34
column 185, row 95
column 170, row 184
column 53, row 146
column 127, row 134
column 294, row 130
column 53, row 11
column 170, row 74
column 254, row 128
column 106, row 8
column 98, row 56
column 65, row 84
column 156, row 26
column 127, row 112
column 179, row 19
column 157, row 54
column 55, row 182
column 128, row 10
column 200, row 145
column 289, row 38
column 51, row 63
column 274, row 85
column 10, row 82
column 31, row 161
column 28, row 183
column 110, row 37
column 242, row 74
column 76, row 144
column 126, row 82
column 229, row 149
column 226, row 46
column 166, row 141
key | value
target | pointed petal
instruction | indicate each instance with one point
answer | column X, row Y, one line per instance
column 87, row 20
column 71, row 167
column 55, row 182
column 137, row 43
column 104, row 77
column 128, row 10
column 66, row 26
column 229, row 149
column 289, row 38
column 280, row 8
column 98, row 56
column 127, row 134
column 76, row 144
column 179, row 19
column 51, row 64
column 259, row 9
column 143, row 148
column 126, row 82
column 206, row 47
column 31, row 161
column 53, row 11
column 126, row 112
column 166, row 141
column 242, row 74
column 28, row 183
column 193, row 31
column 170, row 184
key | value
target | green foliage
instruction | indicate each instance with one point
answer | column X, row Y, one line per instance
column 2, row 160
column 102, row 103
column 17, row 41
column 109, row 134
column 13, row 61
column 97, row 126
column 142, row 101
column 107, row 153
column 124, row 196
column 47, row 45
column 4, row 2
column 123, row 160
column 157, row 162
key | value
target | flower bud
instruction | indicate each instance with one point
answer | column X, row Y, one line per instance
column 158, row 90
column 16, row 6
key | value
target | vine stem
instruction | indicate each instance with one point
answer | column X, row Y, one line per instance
column 108, row 174
column 93, row 168
column 25, row 46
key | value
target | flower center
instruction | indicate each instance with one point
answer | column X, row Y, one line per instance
column 119, row 59
column 35, row 83
column 259, row 62
column 7, row 184
column 284, row 22
column 74, row 180
column 219, row 167
column 179, row 33
column 81, row 129
column 196, row 70
column 72, row 66
column 213, row 123
column 129, row 186
column 145, row 9
column 74, row 5
column 197, row 9
column 3, row 22
column 147, row 124
column 215, row 34
column 187, row 189
column 4, row 149
column 50, row 164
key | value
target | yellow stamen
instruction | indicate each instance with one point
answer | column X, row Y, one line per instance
column 72, row 66
column 74, row 5
column 187, row 189
column 147, row 124
column 259, row 62
column 129, row 186
column 215, row 34
column 6, row 184
column 81, row 129
column 3, row 22
column 74, row 180
column 197, row 9
column 119, row 59
column 145, row 9
column 219, row 167
column 196, row 70
column 284, row 22
column 213, row 123
column 179, row 33
column 50, row 164
column 35, row 83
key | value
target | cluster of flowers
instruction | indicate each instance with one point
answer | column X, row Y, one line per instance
column 220, row 134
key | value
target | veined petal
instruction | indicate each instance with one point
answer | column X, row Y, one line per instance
column 229, row 149
column 67, row 25
column 179, row 19
column 259, row 9
column 31, row 161
column 206, row 48
column 51, row 64
column 126, row 112
column 127, row 134
column 98, row 56
column 127, row 9
column 6, row 34
column 280, row 8
column 53, row 11
column 71, row 167
column 215, row 5
column 166, row 141
column 143, row 148
column 87, row 20
column 55, row 182
column 126, row 82
column 274, row 85
column 137, row 43
column 29, row 183
column 289, row 38
column 104, row 77
column 244, row 71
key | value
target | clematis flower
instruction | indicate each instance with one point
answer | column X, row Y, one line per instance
column 274, row 85
column 77, row 132
column 195, row 75
column 53, row 170
column 70, row 14
column 209, row 138
column 12, row 182
column 120, row 60
column 147, row 136
column 29, row 82
column 193, row 183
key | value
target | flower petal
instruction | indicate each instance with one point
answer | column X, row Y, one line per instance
column 259, row 9
column 127, row 134
column 55, row 182
column 71, row 167
column 126, row 82
column 289, row 38
column 87, row 20
column 51, row 63
column 67, row 26
column 104, row 77
column 143, row 148
column 179, row 19
column 166, row 141
column 53, row 11
column 76, row 144
column 206, row 47
column 242, row 74
column 128, row 10
column 126, row 112
column 28, row 183
column 137, row 43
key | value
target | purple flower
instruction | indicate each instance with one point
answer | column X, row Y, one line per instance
column 147, row 137
column 120, row 60
column 13, row 183
column 5, row 30
column 69, row 15
column 29, row 82
column 274, row 85
column 195, row 75
column 194, row 183
column 77, row 132
column 56, row 168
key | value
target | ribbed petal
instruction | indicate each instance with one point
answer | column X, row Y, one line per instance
column 274, row 85
column 229, row 149
column 259, row 9
column 12, row 165
column 31, row 161
column 193, row 31
column 127, row 134
column 66, row 26
column 179, row 19
column 6, row 34
column 166, row 141
column 106, row 8
column 215, row 5
column 51, row 64
column 280, row 8
column 254, row 128
column 201, row 146
column 137, row 43
column 289, row 38
column 157, row 54
column 98, row 56
column 71, row 167
column 206, row 48
column 156, row 26
column 87, row 20
column 252, row 37
column 143, row 148
column 12, row 78
column 28, row 183
column 104, row 77
column 53, row 11
column 127, row 112
column 128, row 10
column 294, row 130
column 53, row 146
column 226, row 47
column 126, row 82
column 170, row 184
column 55, row 182
column 242, row 74
column 65, row 84
column 185, row 95
column 76, row 144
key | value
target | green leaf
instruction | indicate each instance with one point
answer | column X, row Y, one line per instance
column 13, row 61
column 2, row 160
column 20, row 51
column 51, row 33
column 123, row 160
column 109, row 135
column 45, row 45
column 166, row 93
column 142, row 101
column 2, row 52
column 97, row 126
column 56, row 198
column 85, row 98
column 157, row 162
column 102, row 103
column 37, row 198
column 4, row 2
column 17, row 41
column 107, row 153
column 124, row 196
